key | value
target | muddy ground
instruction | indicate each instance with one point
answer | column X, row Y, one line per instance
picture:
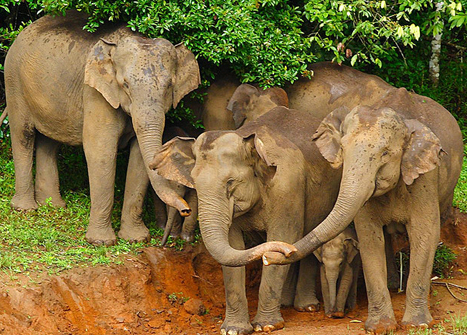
column 157, row 291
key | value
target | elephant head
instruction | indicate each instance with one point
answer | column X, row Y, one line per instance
column 377, row 149
column 229, row 171
column 248, row 102
column 145, row 77
column 334, row 256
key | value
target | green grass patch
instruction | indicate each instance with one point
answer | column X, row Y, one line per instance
column 460, row 192
column 53, row 239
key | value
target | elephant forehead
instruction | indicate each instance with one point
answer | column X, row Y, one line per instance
column 366, row 118
column 218, row 139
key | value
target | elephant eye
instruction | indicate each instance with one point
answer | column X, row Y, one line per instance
column 125, row 84
column 385, row 153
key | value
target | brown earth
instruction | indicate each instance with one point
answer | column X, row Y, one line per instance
column 146, row 295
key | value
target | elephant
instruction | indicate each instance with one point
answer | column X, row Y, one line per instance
column 401, row 159
column 265, row 176
column 339, row 267
column 65, row 85
column 167, row 217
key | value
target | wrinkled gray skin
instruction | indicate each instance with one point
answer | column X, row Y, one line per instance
column 337, row 86
column 400, row 165
column 64, row 85
column 266, row 176
column 167, row 217
column 340, row 264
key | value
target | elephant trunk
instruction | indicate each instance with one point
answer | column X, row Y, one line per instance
column 215, row 217
column 354, row 192
column 148, row 124
column 332, row 284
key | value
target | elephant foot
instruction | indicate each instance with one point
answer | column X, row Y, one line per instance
column 188, row 237
column 134, row 232
column 56, row 201
column 310, row 308
column 337, row 315
column 268, row 325
column 101, row 236
column 383, row 325
column 24, row 203
column 233, row 328
column 420, row 320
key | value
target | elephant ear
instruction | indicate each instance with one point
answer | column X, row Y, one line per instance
column 263, row 161
column 175, row 160
column 328, row 136
column 239, row 101
column 187, row 77
column 99, row 72
column 422, row 153
column 318, row 253
column 351, row 246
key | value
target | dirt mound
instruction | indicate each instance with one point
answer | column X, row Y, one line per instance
column 146, row 294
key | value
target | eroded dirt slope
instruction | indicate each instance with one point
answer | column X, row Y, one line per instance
column 151, row 293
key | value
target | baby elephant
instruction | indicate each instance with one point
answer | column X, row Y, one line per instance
column 340, row 263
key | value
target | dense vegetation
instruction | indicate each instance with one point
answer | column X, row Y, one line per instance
column 265, row 41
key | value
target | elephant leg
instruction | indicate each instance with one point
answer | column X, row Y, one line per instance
column 237, row 320
column 190, row 222
column 371, row 242
column 345, row 283
column 132, row 227
column 305, row 296
column 290, row 285
column 393, row 277
column 160, row 209
column 100, row 142
column 352, row 298
column 22, row 142
column 47, row 182
column 173, row 225
column 268, row 316
column 325, row 291
column 423, row 231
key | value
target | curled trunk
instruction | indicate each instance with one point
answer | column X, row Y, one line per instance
column 215, row 216
column 354, row 192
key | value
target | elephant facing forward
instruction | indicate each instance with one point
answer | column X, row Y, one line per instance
column 265, row 176
column 400, row 165
column 339, row 267
column 64, row 85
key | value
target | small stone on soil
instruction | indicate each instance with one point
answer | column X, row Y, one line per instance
column 195, row 307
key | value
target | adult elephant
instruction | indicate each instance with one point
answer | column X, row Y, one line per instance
column 401, row 160
column 266, row 176
column 64, row 85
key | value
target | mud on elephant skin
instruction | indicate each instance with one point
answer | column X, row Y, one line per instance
column 97, row 90
column 266, row 176
column 339, row 267
column 398, row 167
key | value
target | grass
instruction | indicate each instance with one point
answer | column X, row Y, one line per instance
column 460, row 192
column 52, row 239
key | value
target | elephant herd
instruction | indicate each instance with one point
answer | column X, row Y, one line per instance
column 299, row 164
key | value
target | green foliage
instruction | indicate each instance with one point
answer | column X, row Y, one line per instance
column 442, row 265
column 444, row 257
column 460, row 192
column 459, row 324
column 52, row 239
